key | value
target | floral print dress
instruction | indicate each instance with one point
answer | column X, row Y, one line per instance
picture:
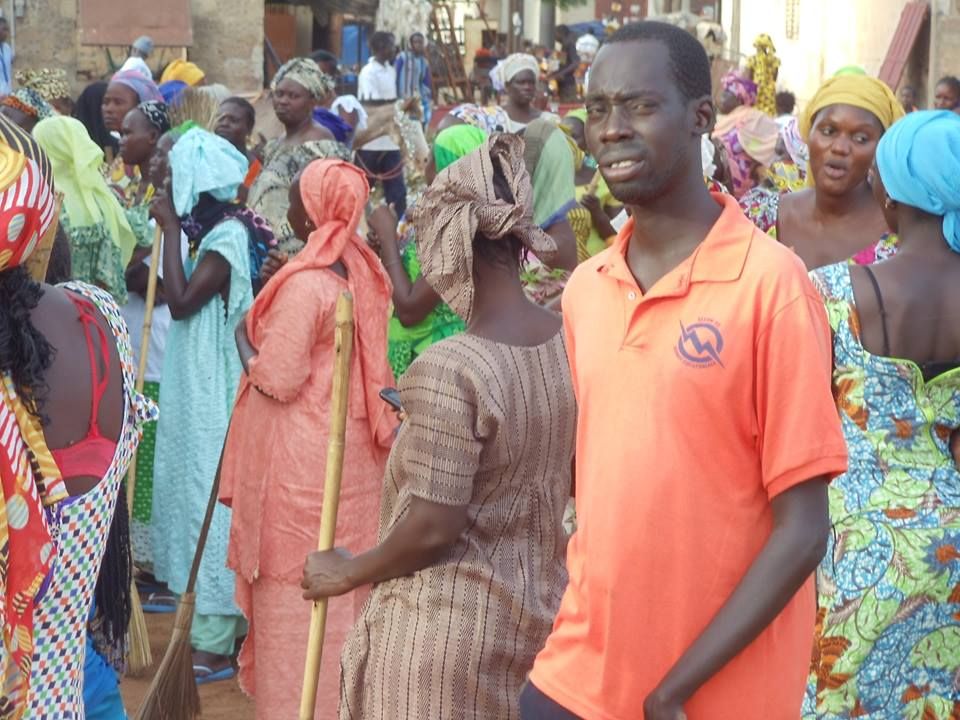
column 888, row 626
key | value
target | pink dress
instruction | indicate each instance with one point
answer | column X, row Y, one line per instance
column 273, row 475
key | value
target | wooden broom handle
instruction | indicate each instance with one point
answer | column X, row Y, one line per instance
column 145, row 347
column 343, row 347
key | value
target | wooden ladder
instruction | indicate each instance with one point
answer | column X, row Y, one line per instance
column 446, row 56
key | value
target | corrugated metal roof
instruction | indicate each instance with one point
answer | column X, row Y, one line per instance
column 912, row 18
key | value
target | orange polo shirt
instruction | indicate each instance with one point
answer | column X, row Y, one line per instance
column 699, row 402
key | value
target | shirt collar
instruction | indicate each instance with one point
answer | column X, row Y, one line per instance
column 719, row 258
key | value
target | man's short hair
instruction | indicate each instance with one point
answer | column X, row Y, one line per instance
column 380, row 41
column 323, row 56
column 688, row 59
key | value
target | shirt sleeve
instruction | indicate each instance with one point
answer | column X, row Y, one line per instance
column 286, row 336
column 364, row 91
column 800, row 433
column 439, row 443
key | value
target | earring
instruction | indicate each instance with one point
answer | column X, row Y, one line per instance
column 889, row 203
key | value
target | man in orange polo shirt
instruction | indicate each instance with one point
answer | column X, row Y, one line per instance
column 707, row 433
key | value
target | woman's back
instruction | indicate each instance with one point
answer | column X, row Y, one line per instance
column 489, row 426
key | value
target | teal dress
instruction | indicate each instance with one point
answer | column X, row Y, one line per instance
column 405, row 344
column 201, row 371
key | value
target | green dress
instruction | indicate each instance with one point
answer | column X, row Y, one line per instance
column 405, row 344
column 95, row 257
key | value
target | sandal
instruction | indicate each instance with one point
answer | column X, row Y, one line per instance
column 203, row 674
column 159, row 603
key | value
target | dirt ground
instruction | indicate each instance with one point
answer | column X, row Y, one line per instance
column 219, row 701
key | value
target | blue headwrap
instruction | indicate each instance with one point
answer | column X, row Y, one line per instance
column 171, row 90
column 202, row 162
column 919, row 163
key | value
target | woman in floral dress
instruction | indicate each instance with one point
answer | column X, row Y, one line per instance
column 888, row 626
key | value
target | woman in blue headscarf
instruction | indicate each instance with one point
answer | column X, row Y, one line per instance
column 208, row 292
column 888, row 627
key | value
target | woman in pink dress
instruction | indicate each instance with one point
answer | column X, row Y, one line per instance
column 272, row 474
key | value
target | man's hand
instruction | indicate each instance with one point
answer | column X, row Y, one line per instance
column 659, row 706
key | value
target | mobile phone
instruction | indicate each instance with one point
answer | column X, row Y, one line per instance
column 391, row 396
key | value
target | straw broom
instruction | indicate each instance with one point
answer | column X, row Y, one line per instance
column 343, row 346
column 139, row 657
column 196, row 105
column 173, row 694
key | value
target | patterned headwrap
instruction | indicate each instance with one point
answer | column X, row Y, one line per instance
column 511, row 66
column 919, row 163
column 460, row 204
column 307, row 73
column 29, row 478
column 740, row 86
column 156, row 114
column 51, row 83
column 183, row 70
column 26, row 195
column 29, row 102
column 144, row 87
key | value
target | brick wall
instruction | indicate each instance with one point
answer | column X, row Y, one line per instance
column 228, row 42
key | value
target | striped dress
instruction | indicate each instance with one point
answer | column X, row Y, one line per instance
column 492, row 427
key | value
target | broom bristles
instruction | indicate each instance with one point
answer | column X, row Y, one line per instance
column 173, row 692
column 195, row 105
column 139, row 658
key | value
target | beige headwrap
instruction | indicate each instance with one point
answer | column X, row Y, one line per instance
column 460, row 204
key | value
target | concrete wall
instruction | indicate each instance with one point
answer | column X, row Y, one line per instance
column 228, row 42
column 831, row 35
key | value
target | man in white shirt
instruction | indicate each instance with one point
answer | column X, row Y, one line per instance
column 139, row 52
column 380, row 159
column 6, row 59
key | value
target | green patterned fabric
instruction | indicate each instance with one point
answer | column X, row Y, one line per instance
column 404, row 344
column 143, row 492
column 888, row 627
column 95, row 257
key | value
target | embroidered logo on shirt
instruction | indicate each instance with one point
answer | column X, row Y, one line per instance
column 700, row 344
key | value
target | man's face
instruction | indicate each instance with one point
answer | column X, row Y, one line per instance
column 387, row 52
column 4, row 31
column 416, row 44
column 640, row 128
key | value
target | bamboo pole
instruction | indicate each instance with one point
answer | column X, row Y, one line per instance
column 343, row 347
column 140, row 657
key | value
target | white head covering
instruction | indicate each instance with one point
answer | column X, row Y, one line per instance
column 510, row 67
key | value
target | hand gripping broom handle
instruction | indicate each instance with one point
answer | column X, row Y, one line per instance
column 343, row 346
column 145, row 348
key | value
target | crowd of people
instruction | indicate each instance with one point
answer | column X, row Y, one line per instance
column 678, row 431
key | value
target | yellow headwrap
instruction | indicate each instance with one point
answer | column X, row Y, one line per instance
column 76, row 162
column 184, row 71
column 859, row 91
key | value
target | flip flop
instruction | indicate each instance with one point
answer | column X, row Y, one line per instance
column 159, row 603
column 209, row 676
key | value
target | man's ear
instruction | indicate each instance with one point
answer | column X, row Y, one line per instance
column 704, row 115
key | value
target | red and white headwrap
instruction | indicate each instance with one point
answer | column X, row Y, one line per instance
column 27, row 198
